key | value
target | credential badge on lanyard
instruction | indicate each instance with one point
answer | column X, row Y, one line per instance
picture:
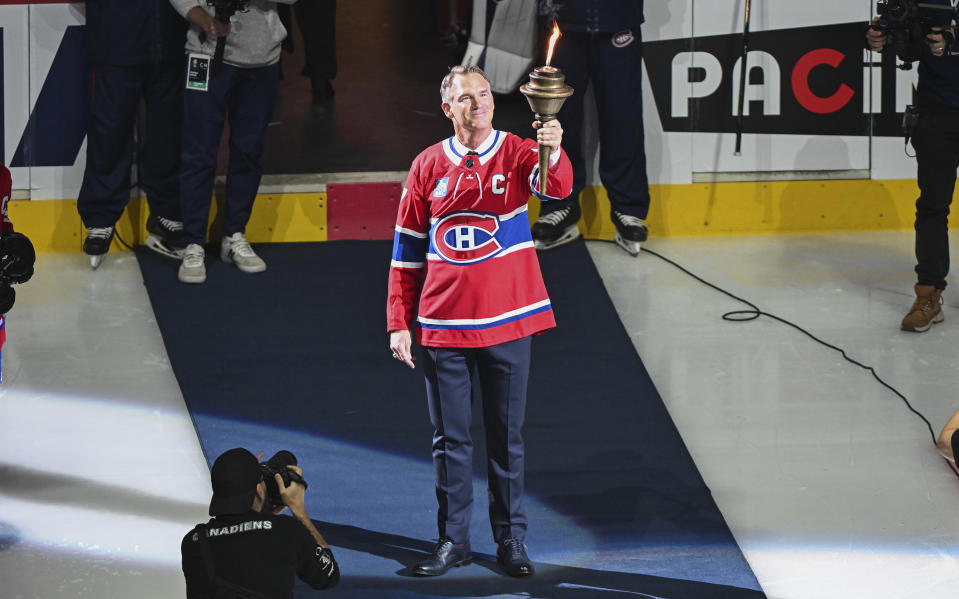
column 198, row 72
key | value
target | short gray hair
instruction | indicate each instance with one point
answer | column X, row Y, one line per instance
column 447, row 82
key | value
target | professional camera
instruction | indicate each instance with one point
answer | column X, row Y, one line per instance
column 906, row 23
column 278, row 465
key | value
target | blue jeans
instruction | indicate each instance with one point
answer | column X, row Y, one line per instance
column 246, row 97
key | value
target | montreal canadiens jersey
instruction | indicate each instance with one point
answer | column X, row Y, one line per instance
column 464, row 267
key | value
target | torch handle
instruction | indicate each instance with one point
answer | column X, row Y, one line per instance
column 544, row 152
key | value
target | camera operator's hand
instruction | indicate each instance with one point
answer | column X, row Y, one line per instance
column 293, row 496
column 875, row 39
column 207, row 23
column 940, row 39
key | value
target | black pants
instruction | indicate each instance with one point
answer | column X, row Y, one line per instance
column 317, row 21
column 503, row 372
column 117, row 92
column 936, row 142
column 614, row 69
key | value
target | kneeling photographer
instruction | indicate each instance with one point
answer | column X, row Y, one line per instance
column 926, row 31
column 247, row 550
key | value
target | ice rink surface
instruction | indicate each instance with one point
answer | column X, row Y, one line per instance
column 832, row 488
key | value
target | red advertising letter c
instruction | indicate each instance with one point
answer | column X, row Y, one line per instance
column 800, row 82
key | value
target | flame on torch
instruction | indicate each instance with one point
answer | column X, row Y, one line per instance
column 552, row 42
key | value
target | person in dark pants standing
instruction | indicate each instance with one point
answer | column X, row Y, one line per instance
column 136, row 52
column 317, row 21
column 465, row 271
column 936, row 141
column 602, row 46
column 243, row 90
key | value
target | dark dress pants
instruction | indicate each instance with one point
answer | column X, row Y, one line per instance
column 616, row 76
column 503, row 373
column 936, row 142
column 117, row 91
column 246, row 97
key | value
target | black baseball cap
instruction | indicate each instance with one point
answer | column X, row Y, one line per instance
column 234, row 475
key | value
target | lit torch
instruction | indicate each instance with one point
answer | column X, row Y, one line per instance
column 546, row 92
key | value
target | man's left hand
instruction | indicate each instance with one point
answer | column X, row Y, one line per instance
column 549, row 134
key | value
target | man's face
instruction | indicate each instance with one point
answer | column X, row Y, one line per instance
column 471, row 103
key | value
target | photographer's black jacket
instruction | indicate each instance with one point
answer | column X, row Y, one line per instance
column 260, row 552
column 132, row 32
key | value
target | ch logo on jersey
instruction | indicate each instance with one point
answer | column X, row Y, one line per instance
column 623, row 39
column 442, row 187
column 466, row 237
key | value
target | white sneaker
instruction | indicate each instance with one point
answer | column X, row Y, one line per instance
column 235, row 249
column 192, row 268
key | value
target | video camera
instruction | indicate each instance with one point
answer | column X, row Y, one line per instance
column 223, row 11
column 906, row 23
column 278, row 465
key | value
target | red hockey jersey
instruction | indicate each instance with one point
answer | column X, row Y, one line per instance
column 464, row 265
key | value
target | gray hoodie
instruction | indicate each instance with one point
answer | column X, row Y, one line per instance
column 254, row 39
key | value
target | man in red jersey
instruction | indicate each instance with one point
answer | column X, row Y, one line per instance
column 465, row 270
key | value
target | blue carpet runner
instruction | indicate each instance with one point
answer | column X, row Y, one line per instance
column 297, row 358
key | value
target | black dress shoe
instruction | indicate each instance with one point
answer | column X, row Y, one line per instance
column 445, row 555
column 511, row 554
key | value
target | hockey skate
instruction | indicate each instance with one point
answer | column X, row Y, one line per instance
column 97, row 244
column 557, row 228
column 630, row 232
column 165, row 236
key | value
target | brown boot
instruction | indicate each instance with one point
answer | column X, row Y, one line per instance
column 925, row 310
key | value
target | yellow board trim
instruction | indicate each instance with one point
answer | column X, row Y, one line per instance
column 676, row 211
column 55, row 226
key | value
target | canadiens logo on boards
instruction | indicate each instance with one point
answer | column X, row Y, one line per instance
column 466, row 237
column 623, row 39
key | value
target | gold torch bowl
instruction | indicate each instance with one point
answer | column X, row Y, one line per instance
column 545, row 92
